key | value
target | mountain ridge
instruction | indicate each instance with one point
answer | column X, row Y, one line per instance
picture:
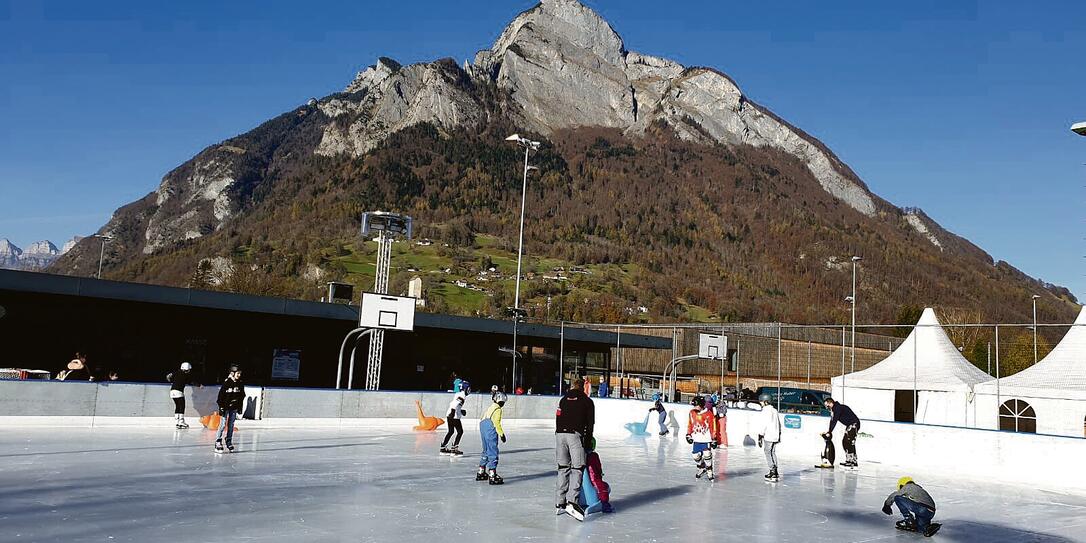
column 562, row 72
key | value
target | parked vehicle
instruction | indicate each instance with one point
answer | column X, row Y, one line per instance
column 796, row 400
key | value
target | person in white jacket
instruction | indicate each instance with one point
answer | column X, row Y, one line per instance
column 769, row 437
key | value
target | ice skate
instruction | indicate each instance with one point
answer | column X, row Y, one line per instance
column 230, row 448
column 932, row 529
column 772, row 477
column 455, row 451
column 181, row 425
column 219, row 448
column 446, row 451
column 575, row 511
column 495, row 479
column 559, row 509
column 908, row 525
column 481, row 475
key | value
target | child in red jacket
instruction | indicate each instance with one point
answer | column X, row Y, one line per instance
column 595, row 475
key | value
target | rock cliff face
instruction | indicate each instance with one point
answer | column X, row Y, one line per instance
column 560, row 72
column 565, row 67
column 556, row 66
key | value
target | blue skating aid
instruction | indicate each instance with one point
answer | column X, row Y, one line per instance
column 638, row 428
column 589, row 500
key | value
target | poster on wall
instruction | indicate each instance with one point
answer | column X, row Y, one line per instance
column 286, row 363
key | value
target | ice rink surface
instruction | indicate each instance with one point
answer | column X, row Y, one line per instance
column 384, row 482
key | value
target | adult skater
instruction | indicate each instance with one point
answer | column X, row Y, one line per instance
column 178, row 381
column 452, row 415
column 231, row 399
column 916, row 506
column 490, row 429
column 768, row 438
column 658, row 407
column 573, row 425
column 843, row 414
column 700, row 430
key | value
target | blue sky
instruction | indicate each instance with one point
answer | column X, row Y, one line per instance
column 960, row 108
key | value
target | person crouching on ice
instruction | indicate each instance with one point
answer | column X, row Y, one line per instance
column 700, row 430
column 595, row 475
column 490, row 428
column 916, row 506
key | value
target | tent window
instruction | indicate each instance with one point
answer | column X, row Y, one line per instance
column 1017, row 416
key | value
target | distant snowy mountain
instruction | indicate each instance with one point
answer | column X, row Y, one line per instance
column 38, row 255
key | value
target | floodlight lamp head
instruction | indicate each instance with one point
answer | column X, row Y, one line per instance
column 850, row 299
column 1079, row 128
column 1036, row 296
column 857, row 258
column 392, row 224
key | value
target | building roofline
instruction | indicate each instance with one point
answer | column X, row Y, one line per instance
column 64, row 285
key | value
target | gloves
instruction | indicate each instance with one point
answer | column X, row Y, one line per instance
column 463, row 413
column 760, row 440
column 713, row 444
column 886, row 509
column 689, row 439
column 826, row 435
column 503, row 438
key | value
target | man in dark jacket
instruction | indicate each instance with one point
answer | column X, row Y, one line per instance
column 573, row 426
column 842, row 413
column 231, row 399
column 916, row 506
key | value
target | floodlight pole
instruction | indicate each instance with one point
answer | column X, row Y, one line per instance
column 855, row 259
column 1035, row 328
column 102, row 252
column 380, row 286
column 528, row 145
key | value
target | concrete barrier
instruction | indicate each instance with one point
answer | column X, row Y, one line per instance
column 1038, row 461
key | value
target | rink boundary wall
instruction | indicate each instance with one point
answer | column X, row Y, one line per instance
column 1050, row 462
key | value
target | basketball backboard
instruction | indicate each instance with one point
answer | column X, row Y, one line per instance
column 387, row 312
column 712, row 346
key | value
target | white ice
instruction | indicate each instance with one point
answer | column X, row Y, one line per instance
column 380, row 481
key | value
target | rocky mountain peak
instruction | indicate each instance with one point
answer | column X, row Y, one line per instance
column 42, row 248
column 9, row 249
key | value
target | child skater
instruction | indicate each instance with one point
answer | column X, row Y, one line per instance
column 452, row 415
column 658, row 407
column 595, row 475
column 178, row 382
column 700, row 430
column 490, row 428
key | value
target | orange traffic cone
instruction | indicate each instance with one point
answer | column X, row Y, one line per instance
column 426, row 424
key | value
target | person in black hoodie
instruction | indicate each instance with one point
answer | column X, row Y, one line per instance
column 574, row 423
column 842, row 413
column 231, row 399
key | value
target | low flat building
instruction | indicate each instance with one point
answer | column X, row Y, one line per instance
column 145, row 331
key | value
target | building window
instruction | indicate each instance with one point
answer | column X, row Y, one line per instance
column 1017, row 416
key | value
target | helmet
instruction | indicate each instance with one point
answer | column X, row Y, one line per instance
column 698, row 401
column 233, row 368
column 465, row 386
column 499, row 398
column 185, row 366
column 593, row 444
column 903, row 481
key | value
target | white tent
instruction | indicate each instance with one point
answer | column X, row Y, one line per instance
column 1048, row 397
column 926, row 366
